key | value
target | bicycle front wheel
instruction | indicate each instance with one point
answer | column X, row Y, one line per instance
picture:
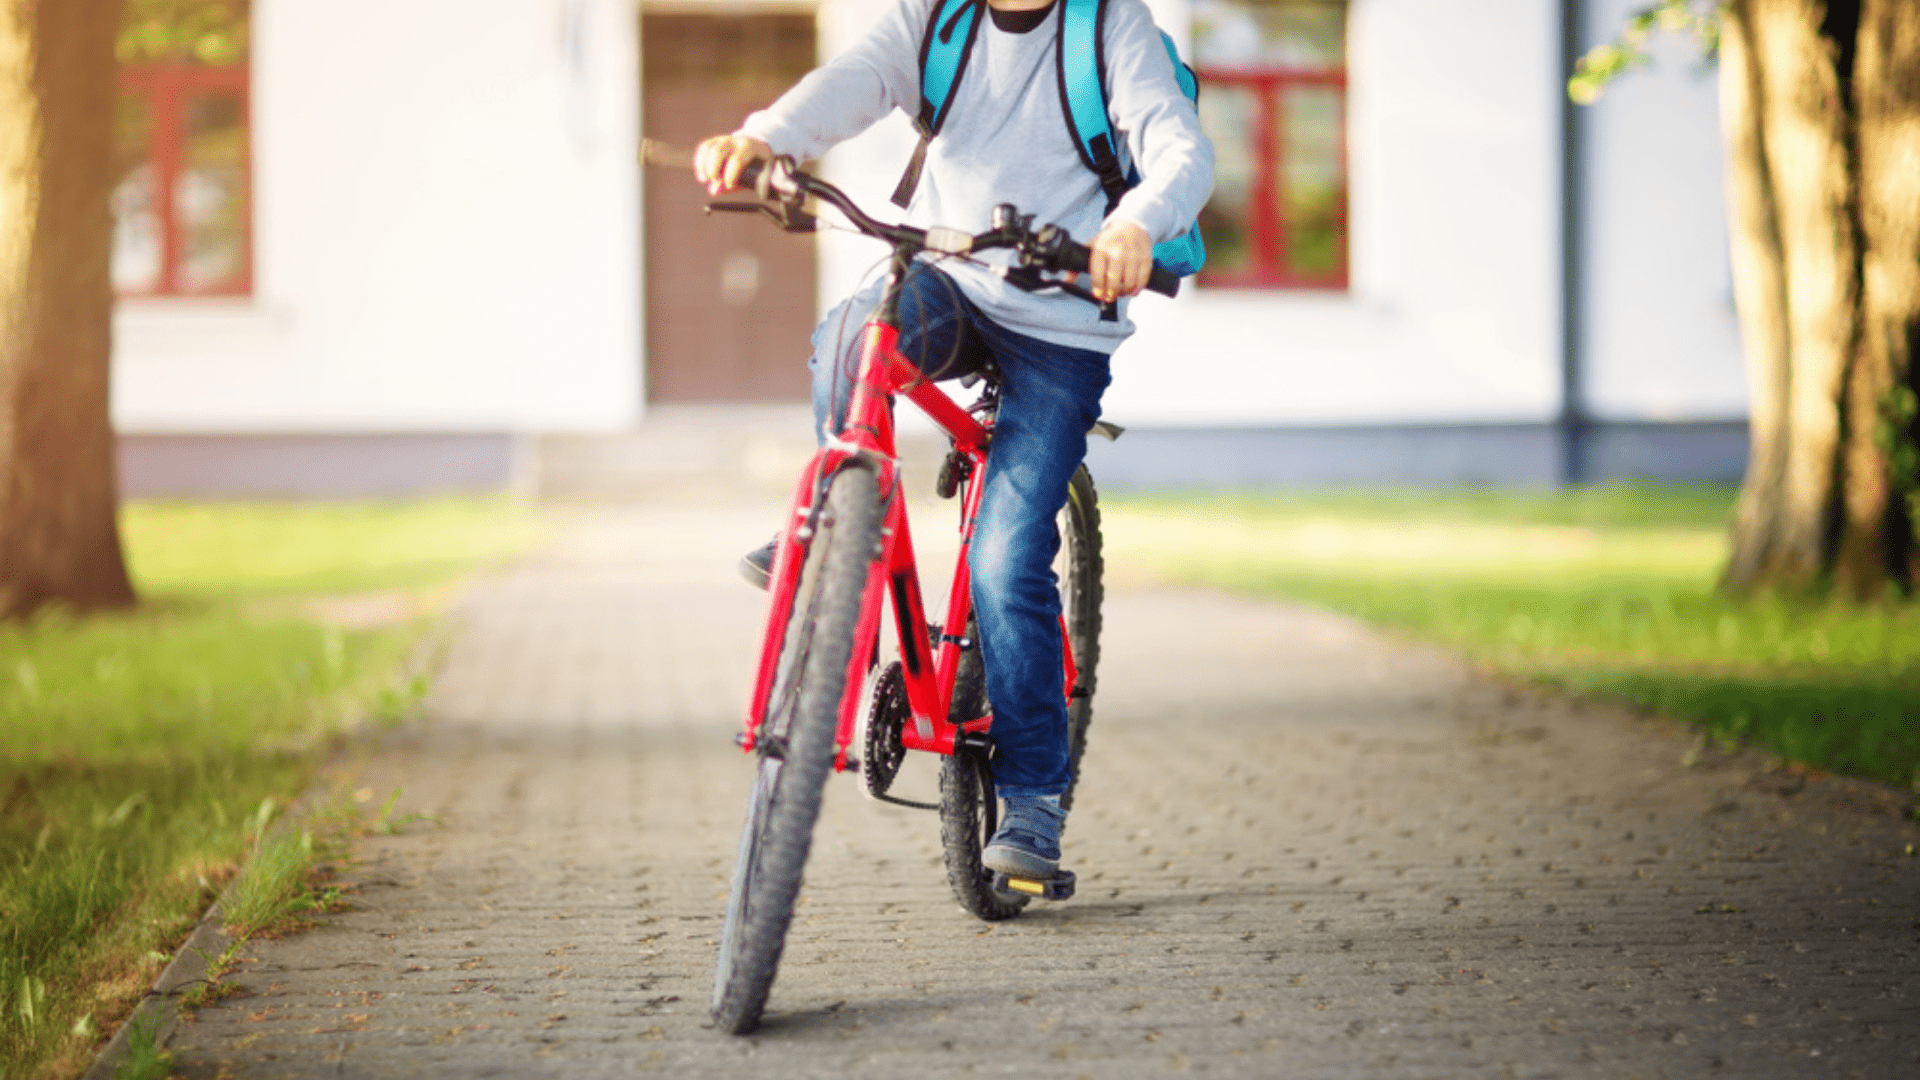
column 796, row 748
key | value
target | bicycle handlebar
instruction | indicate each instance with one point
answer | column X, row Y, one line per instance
column 750, row 173
column 1075, row 256
column 1046, row 248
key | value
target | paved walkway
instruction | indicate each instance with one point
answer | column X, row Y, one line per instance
column 1304, row 850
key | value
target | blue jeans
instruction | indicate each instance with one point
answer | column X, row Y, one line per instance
column 1049, row 399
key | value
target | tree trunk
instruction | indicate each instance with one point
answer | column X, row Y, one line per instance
column 1881, row 462
column 59, row 539
column 1786, row 541
column 1760, row 297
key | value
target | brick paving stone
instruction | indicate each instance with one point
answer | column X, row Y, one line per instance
column 1304, row 849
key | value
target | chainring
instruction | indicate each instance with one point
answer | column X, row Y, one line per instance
column 887, row 716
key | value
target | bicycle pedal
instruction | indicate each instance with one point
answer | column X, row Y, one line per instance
column 1057, row 887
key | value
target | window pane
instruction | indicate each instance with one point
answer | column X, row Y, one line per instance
column 1311, row 178
column 136, row 221
column 1229, row 115
column 210, row 196
column 1299, row 34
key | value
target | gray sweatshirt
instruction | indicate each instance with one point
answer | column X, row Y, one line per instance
column 1007, row 140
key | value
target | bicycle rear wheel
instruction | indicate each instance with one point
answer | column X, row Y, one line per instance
column 1078, row 566
column 795, row 749
column 969, row 814
column 969, row 811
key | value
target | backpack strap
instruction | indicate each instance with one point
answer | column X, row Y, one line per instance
column 1182, row 71
column 952, row 26
column 1081, row 62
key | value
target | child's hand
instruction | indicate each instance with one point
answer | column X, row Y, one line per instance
column 717, row 161
column 1122, row 260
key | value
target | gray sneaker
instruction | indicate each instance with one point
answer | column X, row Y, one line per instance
column 757, row 565
column 1027, row 844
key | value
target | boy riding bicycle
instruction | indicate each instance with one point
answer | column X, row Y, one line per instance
column 1003, row 136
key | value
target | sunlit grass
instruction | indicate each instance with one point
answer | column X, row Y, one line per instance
column 136, row 749
column 1603, row 590
column 269, row 889
column 208, row 550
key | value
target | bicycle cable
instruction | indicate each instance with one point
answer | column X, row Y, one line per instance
column 846, row 360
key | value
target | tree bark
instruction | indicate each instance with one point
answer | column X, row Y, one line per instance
column 1880, row 464
column 1804, row 140
column 1760, row 297
column 59, row 538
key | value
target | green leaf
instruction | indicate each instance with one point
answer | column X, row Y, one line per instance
column 210, row 32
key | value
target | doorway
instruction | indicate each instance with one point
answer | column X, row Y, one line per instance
column 729, row 298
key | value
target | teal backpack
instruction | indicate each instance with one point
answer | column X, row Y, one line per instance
column 1081, row 61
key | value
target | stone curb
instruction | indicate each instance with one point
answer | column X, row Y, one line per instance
column 159, row 1006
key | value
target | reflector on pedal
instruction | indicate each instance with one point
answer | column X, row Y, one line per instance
column 1058, row 887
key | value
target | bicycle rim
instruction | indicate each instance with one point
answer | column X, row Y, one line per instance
column 796, row 749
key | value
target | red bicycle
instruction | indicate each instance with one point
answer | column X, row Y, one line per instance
column 822, row 701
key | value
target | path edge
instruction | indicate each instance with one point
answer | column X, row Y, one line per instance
column 159, row 1006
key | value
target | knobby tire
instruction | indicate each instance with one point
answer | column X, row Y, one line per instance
column 969, row 811
column 968, row 816
column 802, row 716
column 1079, row 567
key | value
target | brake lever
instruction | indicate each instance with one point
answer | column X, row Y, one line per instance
column 1024, row 278
column 797, row 220
column 1028, row 279
column 789, row 218
column 1082, row 292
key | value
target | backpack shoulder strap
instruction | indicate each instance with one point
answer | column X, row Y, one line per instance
column 952, row 26
column 1081, row 62
column 1182, row 71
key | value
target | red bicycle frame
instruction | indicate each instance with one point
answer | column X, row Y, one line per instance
column 867, row 440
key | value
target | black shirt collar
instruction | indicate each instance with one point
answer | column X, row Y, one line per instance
column 1019, row 22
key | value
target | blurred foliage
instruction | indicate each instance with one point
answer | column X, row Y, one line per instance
column 1604, row 62
column 211, row 32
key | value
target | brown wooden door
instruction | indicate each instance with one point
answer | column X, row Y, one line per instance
column 729, row 297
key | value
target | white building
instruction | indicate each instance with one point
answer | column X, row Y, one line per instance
column 436, row 248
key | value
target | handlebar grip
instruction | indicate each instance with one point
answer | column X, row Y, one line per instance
column 1163, row 281
column 1074, row 256
column 750, row 173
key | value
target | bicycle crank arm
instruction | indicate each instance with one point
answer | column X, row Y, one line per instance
column 1057, row 887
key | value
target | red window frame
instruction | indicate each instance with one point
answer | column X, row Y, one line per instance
column 167, row 88
column 1267, row 216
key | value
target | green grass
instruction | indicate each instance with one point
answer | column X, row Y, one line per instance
column 1606, row 590
column 256, row 551
column 272, row 889
column 146, row 1059
column 136, row 749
